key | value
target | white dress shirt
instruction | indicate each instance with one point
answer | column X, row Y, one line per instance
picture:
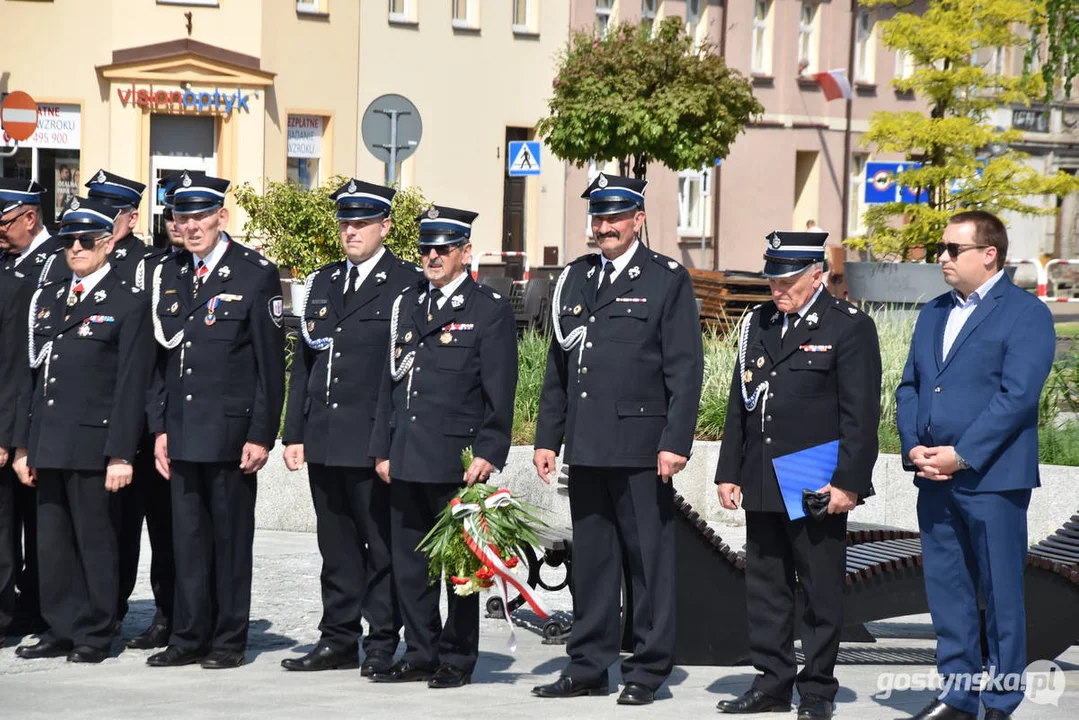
column 211, row 260
column 801, row 311
column 448, row 289
column 363, row 269
column 90, row 281
column 963, row 309
column 619, row 262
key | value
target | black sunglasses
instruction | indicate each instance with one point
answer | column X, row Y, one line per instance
column 441, row 250
column 954, row 249
column 86, row 241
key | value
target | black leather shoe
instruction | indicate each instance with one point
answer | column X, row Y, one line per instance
column 814, row 707
column 43, row 649
column 221, row 659
column 376, row 661
column 155, row 636
column 175, row 656
column 403, row 671
column 636, row 694
column 323, row 658
column 753, row 701
column 567, row 687
column 938, row 710
column 997, row 714
column 86, row 654
column 449, row 676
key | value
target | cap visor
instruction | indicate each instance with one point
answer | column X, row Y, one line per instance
column 781, row 268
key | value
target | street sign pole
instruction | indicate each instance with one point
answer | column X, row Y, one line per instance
column 393, row 141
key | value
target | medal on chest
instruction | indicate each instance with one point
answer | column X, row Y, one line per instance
column 211, row 306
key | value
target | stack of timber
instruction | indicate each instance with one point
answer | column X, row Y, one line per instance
column 726, row 295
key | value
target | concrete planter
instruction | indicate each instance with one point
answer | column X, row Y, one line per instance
column 901, row 284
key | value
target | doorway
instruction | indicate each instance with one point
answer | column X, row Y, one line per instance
column 513, row 210
column 177, row 143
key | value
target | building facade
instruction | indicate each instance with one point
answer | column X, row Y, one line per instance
column 261, row 90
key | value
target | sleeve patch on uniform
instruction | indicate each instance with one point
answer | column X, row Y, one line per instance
column 277, row 310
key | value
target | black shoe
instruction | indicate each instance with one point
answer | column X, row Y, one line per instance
column 323, row 658
column 567, row 687
column 43, row 649
column 175, row 656
column 938, row 710
column 86, row 654
column 402, row 671
column 221, row 659
column 753, row 701
column 636, row 694
column 377, row 661
column 814, row 707
column 996, row 714
column 155, row 636
column 449, row 676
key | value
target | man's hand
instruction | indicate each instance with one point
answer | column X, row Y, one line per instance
column 117, row 474
column 26, row 474
column 668, row 464
column 544, row 460
column 730, row 495
column 939, row 463
column 382, row 467
column 253, row 457
column 3, row 456
column 161, row 454
column 917, row 456
column 294, row 456
column 841, row 500
column 478, row 471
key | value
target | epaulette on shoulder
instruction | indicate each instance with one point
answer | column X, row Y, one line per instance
column 669, row 263
column 256, row 259
column 52, row 283
column 408, row 265
column 845, row 308
column 488, row 291
column 585, row 258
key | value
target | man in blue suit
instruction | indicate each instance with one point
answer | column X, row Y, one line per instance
column 967, row 411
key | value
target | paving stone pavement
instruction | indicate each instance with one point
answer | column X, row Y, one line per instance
column 285, row 613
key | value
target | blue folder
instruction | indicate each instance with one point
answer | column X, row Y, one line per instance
column 809, row 469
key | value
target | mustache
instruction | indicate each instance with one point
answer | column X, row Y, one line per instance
column 603, row 236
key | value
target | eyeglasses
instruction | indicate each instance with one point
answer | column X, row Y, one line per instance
column 87, row 241
column 441, row 250
column 954, row 249
column 4, row 224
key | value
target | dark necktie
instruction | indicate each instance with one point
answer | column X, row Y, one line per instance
column 605, row 279
column 200, row 273
column 792, row 319
column 432, row 303
column 350, row 289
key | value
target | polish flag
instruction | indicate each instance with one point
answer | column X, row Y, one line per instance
column 834, row 83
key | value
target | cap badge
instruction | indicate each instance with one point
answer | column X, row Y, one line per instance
column 445, row 338
column 775, row 242
column 602, row 181
column 633, row 272
column 352, row 187
column 186, row 182
column 457, row 301
column 432, row 213
column 590, row 273
column 101, row 176
column 74, row 204
column 100, row 296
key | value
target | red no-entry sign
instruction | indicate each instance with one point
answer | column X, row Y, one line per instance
column 18, row 115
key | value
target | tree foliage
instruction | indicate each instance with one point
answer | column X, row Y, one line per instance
column 298, row 227
column 953, row 142
column 1055, row 28
column 636, row 97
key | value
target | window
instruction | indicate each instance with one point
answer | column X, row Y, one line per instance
column 466, row 14
column 692, row 206
column 603, row 17
column 460, row 12
column 524, row 19
column 864, row 48
column 857, row 205
column 904, row 64
column 305, row 134
column 402, row 11
column 693, row 21
column 203, row 3
column 807, row 38
column 310, row 7
column 762, row 52
column 648, row 13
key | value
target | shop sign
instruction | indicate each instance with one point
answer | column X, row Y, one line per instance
column 202, row 100
column 305, row 136
column 59, row 127
column 1036, row 121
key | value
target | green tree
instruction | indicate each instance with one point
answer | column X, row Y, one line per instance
column 953, row 142
column 1055, row 27
column 636, row 97
column 299, row 229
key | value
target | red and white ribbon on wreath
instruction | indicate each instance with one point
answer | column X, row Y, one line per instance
column 471, row 517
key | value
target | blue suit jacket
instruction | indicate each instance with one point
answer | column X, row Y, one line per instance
column 983, row 399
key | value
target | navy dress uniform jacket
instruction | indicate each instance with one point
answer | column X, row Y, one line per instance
column 460, row 389
column 823, row 385
column 635, row 386
column 30, row 269
column 88, row 405
column 222, row 381
column 131, row 259
column 14, row 369
column 333, row 392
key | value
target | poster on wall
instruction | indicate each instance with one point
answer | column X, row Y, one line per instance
column 59, row 127
column 305, row 136
column 66, row 183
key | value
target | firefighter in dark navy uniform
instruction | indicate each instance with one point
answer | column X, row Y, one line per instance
column 25, row 249
column 808, row 374
column 148, row 495
column 91, row 351
column 333, row 393
column 217, row 312
column 622, row 387
column 450, row 384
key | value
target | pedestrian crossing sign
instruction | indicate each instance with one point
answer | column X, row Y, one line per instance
column 524, row 158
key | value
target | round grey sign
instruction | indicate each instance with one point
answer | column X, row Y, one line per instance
column 391, row 128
